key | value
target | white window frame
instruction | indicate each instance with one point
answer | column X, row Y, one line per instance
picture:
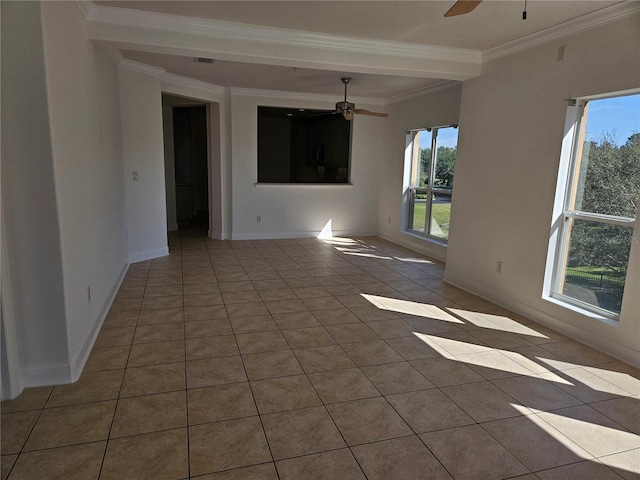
column 412, row 170
column 564, row 211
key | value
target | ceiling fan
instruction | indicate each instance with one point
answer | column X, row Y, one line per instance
column 461, row 7
column 348, row 110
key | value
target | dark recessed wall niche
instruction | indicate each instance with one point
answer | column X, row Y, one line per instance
column 302, row 146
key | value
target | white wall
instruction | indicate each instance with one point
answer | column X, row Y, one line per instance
column 142, row 143
column 87, row 158
column 29, row 204
column 437, row 108
column 302, row 210
column 512, row 121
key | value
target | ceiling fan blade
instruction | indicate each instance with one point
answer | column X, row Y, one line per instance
column 362, row 111
column 461, row 7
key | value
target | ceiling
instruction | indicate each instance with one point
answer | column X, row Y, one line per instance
column 492, row 25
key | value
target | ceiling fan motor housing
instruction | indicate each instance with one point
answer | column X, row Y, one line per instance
column 342, row 106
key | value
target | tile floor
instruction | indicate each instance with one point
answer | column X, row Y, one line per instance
column 309, row 359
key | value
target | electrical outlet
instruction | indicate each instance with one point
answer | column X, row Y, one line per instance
column 499, row 267
column 135, row 176
column 258, row 219
column 561, row 51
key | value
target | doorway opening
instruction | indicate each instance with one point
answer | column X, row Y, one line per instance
column 187, row 154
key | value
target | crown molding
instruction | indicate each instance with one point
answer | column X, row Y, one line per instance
column 224, row 30
column 419, row 92
column 192, row 83
column 570, row 27
column 163, row 75
column 312, row 97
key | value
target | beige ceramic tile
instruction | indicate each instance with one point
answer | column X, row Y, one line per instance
column 625, row 411
column 536, row 393
column 113, row 337
column 470, row 453
column 107, row 358
column 211, row 312
column 153, row 379
column 158, row 333
column 78, row 462
column 266, row 471
column 200, row 288
column 352, row 332
column 301, row 432
column 241, row 297
column 209, row 347
column 120, row 319
column 62, row 426
column 261, row 342
column 319, row 359
column 354, row 420
column 582, row 470
column 221, row 402
column 593, row 431
column 288, row 321
column 154, row 303
column 308, row 337
column 371, row 353
column 152, row 456
column 260, row 323
column 225, row 445
column 30, row 399
column 625, row 464
column 484, row 402
column 321, row 303
column 535, row 443
column 399, row 458
column 285, row 393
column 342, row 385
column 149, row 413
column 215, row 371
column 15, row 429
column 412, row 348
column 428, row 410
column 6, row 464
column 207, row 328
column 166, row 315
column 443, row 372
column 92, row 387
column 336, row 316
column 156, row 353
column 163, row 290
column 334, row 465
column 250, row 309
column 271, row 365
column 398, row 377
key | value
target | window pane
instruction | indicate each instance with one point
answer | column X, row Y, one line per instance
column 446, row 150
column 419, row 211
column 597, row 263
column 609, row 175
column 440, row 215
column 424, row 145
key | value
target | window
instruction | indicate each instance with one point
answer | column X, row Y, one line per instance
column 431, row 163
column 297, row 145
column 600, row 205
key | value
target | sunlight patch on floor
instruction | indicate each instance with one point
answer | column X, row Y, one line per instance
column 496, row 322
column 410, row 308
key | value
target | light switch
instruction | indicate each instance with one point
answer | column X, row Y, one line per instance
column 135, row 176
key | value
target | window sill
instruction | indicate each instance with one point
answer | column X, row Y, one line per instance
column 609, row 320
column 433, row 240
column 322, row 186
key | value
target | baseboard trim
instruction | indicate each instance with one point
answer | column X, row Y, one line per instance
column 614, row 349
column 46, row 375
column 304, row 234
column 148, row 255
column 82, row 354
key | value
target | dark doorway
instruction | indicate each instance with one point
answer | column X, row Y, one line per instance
column 191, row 172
